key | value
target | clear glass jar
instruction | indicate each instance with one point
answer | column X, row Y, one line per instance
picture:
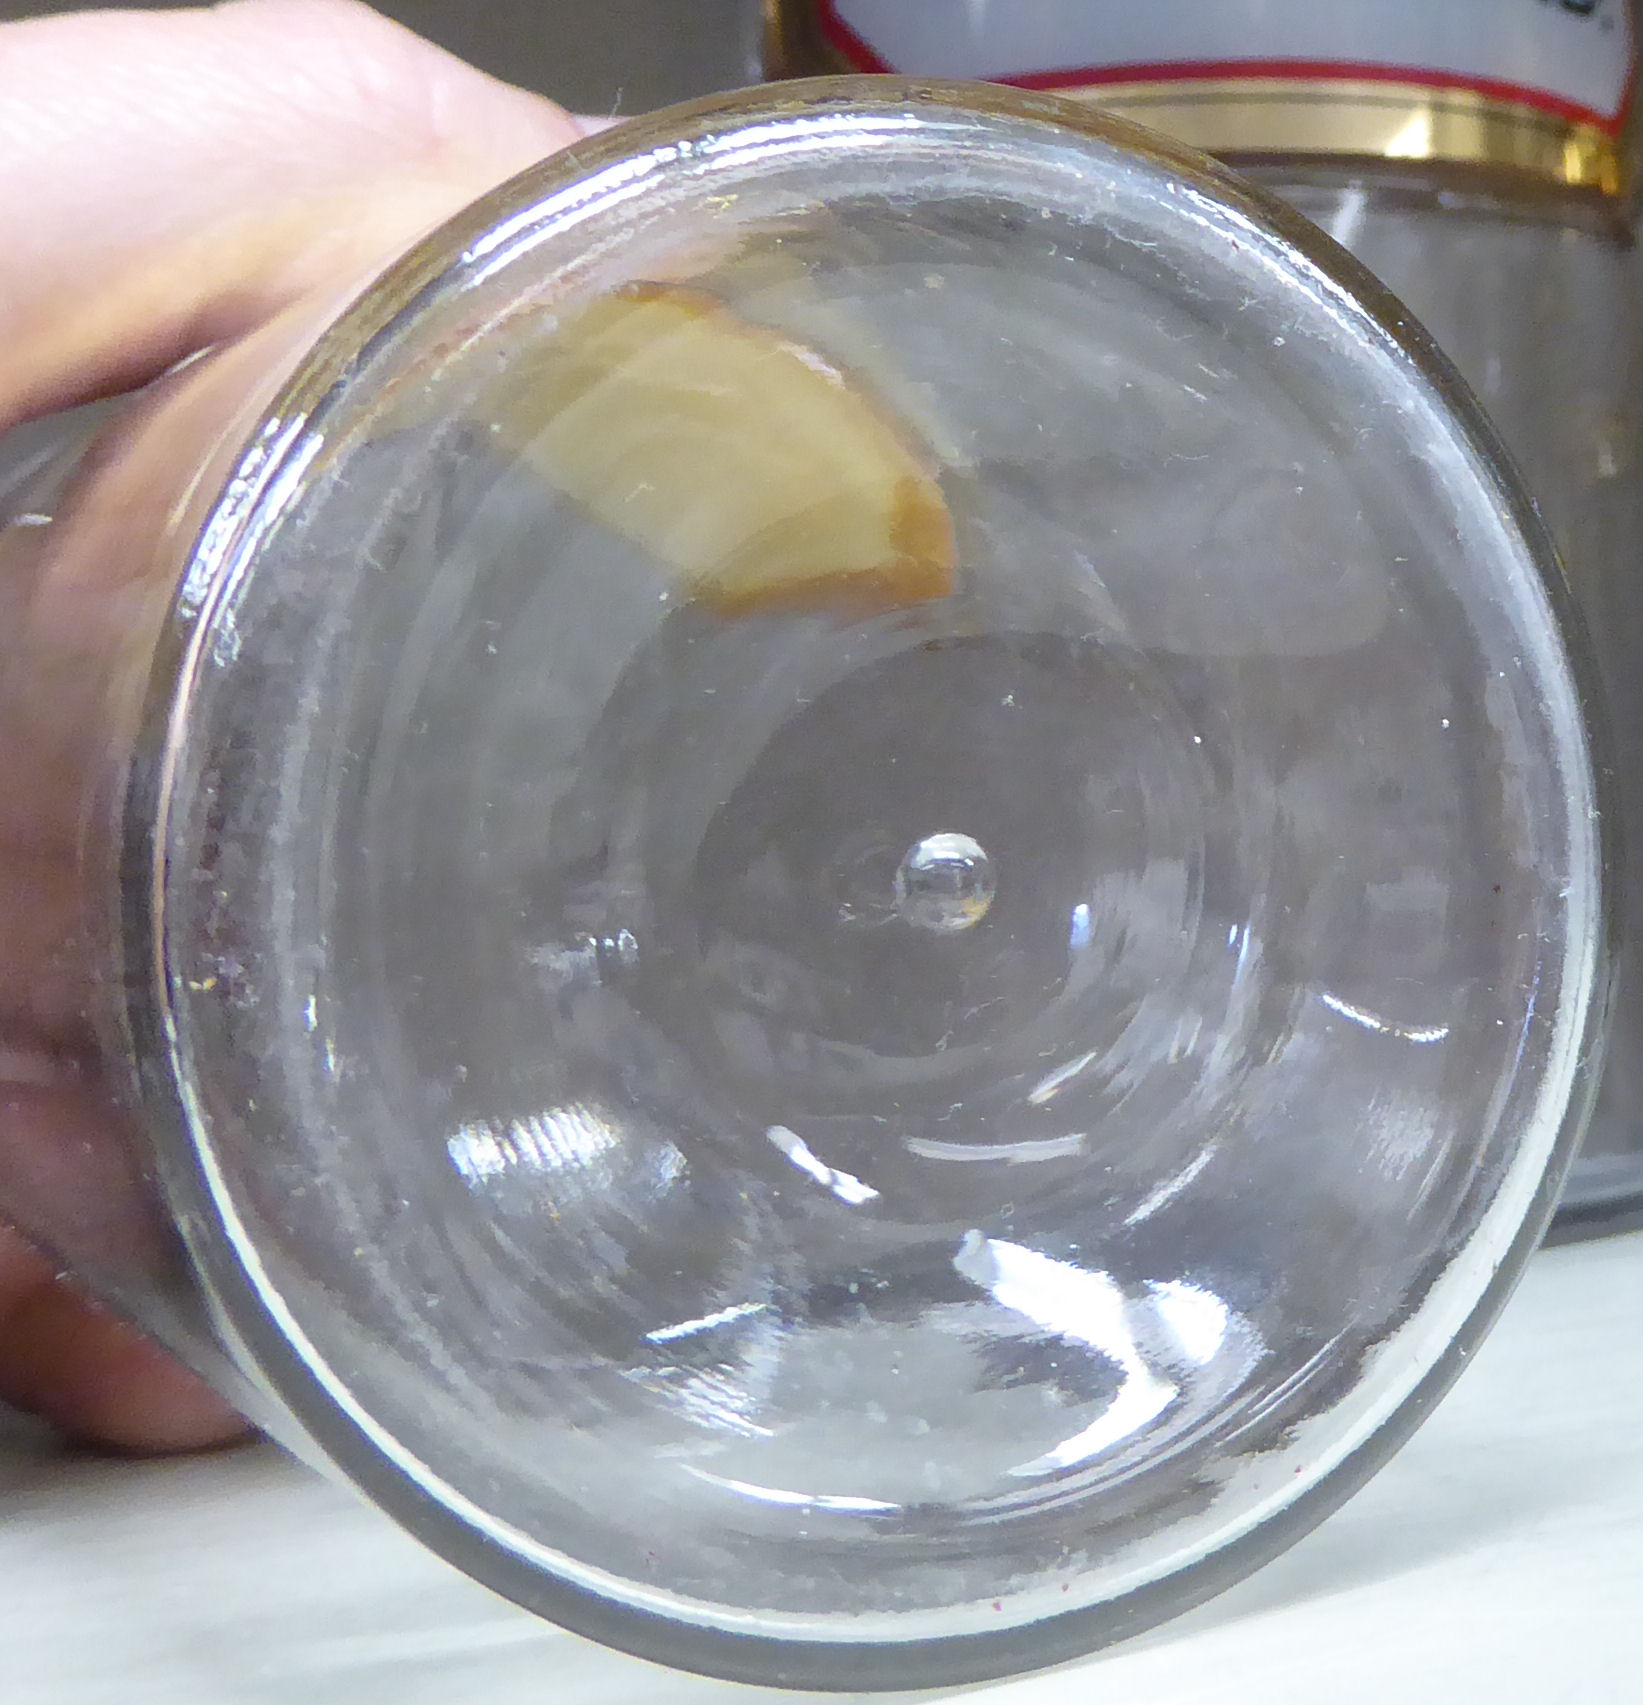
column 1478, row 156
column 841, row 894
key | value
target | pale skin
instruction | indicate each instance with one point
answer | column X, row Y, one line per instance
column 170, row 181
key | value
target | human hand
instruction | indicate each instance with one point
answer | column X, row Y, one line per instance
column 170, row 182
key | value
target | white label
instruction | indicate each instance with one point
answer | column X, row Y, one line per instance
column 1575, row 55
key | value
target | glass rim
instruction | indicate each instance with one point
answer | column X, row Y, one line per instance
column 250, row 1313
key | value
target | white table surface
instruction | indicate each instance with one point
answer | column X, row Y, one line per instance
column 1498, row 1559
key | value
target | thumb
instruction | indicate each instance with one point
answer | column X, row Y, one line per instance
column 169, row 180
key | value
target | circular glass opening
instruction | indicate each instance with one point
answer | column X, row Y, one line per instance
column 882, row 893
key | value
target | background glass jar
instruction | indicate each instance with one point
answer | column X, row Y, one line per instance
column 1479, row 157
column 843, row 887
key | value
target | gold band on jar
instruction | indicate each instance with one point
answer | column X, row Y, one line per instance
column 1245, row 117
column 1241, row 117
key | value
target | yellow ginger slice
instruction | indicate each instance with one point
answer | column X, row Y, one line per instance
column 743, row 461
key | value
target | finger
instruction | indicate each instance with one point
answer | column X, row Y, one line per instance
column 66, row 1163
column 44, row 979
column 69, row 1360
column 168, row 180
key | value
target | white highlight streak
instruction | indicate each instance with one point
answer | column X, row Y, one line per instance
column 1381, row 1026
column 1166, row 1192
column 796, row 1500
column 1059, row 1079
column 843, row 1185
column 1012, row 1154
column 1198, row 1318
column 552, row 1141
column 689, row 1328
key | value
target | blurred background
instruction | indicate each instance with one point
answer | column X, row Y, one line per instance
column 595, row 56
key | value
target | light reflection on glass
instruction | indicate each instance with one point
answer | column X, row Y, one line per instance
column 706, row 1323
column 1079, row 938
column 1197, row 1319
column 844, row 1185
column 1384, row 1026
column 557, row 1140
column 717, row 1399
column 838, row 1503
column 1024, row 1153
column 1183, row 1325
column 1166, row 1192
column 1045, row 1090
column 1083, row 1308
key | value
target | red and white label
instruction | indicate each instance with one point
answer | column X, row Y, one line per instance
column 1572, row 58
